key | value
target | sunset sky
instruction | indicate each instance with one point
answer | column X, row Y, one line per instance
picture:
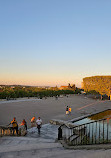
column 54, row 42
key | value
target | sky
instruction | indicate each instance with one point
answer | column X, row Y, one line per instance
column 54, row 42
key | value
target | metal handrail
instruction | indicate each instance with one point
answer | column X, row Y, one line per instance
column 94, row 132
column 92, row 122
column 84, row 123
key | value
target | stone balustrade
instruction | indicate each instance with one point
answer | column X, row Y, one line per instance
column 8, row 131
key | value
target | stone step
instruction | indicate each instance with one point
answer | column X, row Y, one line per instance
column 57, row 153
column 36, row 153
column 33, row 143
column 26, row 147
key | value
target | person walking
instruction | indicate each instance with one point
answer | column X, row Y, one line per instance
column 67, row 110
column 39, row 124
column 14, row 125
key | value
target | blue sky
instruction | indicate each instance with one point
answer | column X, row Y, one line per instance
column 54, row 42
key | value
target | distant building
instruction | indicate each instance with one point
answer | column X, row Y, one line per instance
column 63, row 87
column 12, row 87
column 69, row 87
column 73, row 86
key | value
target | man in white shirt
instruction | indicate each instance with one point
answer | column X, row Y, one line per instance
column 39, row 124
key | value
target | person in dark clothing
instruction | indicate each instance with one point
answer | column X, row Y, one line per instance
column 67, row 110
column 59, row 133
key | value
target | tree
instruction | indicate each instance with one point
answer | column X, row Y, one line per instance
column 100, row 84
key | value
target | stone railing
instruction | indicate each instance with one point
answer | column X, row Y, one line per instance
column 9, row 131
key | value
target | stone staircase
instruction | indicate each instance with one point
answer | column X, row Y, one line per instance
column 34, row 145
column 27, row 147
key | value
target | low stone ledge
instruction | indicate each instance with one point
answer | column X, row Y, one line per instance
column 61, row 122
column 57, row 122
column 79, row 118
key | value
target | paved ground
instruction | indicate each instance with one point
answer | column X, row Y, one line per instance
column 49, row 109
column 44, row 146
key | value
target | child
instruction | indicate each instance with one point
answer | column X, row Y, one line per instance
column 70, row 110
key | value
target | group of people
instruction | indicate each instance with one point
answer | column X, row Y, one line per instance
column 68, row 110
column 37, row 123
column 23, row 124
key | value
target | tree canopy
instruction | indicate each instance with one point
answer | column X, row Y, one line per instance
column 100, row 84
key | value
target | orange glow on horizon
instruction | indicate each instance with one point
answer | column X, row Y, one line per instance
column 37, row 83
column 34, row 80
